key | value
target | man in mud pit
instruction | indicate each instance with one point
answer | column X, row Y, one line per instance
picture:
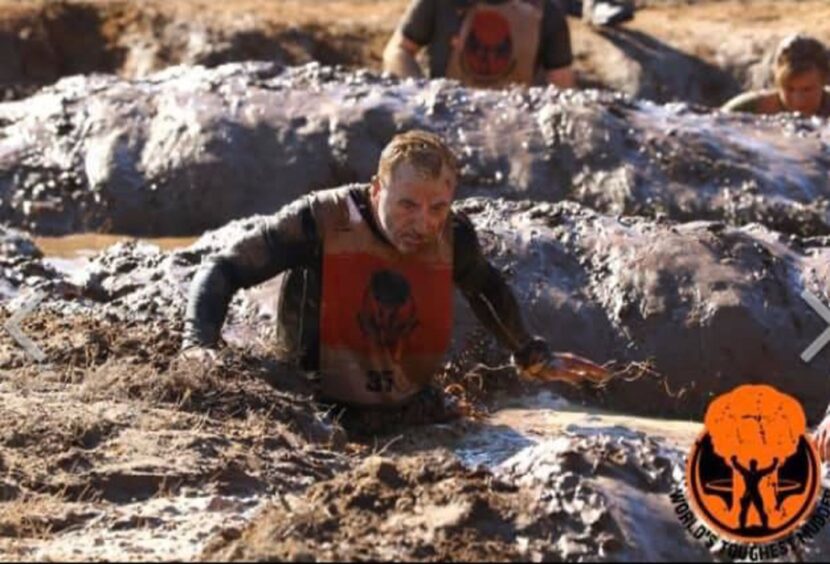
column 367, row 302
column 801, row 71
column 484, row 43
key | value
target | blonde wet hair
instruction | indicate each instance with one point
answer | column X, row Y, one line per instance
column 424, row 151
column 797, row 54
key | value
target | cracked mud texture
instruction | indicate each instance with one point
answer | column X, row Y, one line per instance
column 191, row 148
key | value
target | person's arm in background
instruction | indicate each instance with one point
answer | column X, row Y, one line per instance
column 556, row 53
column 399, row 57
column 286, row 240
column 415, row 31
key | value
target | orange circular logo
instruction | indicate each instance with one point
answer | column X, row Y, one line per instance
column 754, row 474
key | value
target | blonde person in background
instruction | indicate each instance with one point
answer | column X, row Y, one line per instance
column 801, row 70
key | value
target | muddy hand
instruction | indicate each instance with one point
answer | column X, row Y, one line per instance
column 573, row 369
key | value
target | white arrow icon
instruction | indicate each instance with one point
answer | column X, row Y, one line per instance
column 12, row 325
column 822, row 340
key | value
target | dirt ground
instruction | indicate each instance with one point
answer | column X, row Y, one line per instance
column 112, row 438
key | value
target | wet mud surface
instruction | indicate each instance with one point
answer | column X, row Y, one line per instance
column 192, row 148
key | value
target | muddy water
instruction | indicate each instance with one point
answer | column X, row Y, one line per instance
column 161, row 529
column 524, row 423
column 89, row 244
column 70, row 254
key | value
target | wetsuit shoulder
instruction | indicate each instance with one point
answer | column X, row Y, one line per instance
column 755, row 102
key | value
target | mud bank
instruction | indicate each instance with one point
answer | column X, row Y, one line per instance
column 191, row 148
column 709, row 305
column 44, row 42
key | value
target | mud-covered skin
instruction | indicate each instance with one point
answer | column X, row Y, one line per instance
column 290, row 240
column 190, row 148
column 769, row 102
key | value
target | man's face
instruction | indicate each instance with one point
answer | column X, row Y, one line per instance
column 412, row 208
column 803, row 92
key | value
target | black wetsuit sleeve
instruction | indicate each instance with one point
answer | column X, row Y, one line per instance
column 283, row 241
column 555, row 50
column 485, row 289
column 418, row 23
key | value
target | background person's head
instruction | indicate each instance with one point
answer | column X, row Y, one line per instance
column 413, row 190
column 801, row 70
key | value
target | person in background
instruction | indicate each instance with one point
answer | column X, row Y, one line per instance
column 801, row 71
column 484, row 43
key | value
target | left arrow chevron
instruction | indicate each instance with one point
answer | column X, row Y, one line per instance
column 12, row 325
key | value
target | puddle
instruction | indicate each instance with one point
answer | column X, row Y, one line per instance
column 530, row 421
column 71, row 253
column 85, row 245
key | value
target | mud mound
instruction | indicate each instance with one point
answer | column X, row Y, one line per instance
column 192, row 148
column 20, row 263
column 591, row 493
column 709, row 306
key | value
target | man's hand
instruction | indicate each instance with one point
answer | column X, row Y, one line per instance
column 531, row 358
column 822, row 436
column 535, row 361
column 574, row 370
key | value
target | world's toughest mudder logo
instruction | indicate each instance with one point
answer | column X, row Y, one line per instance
column 753, row 478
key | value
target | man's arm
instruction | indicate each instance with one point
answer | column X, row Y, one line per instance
column 483, row 286
column 283, row 241
column 415, row 30
column 556, row 53
column 562, row 78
